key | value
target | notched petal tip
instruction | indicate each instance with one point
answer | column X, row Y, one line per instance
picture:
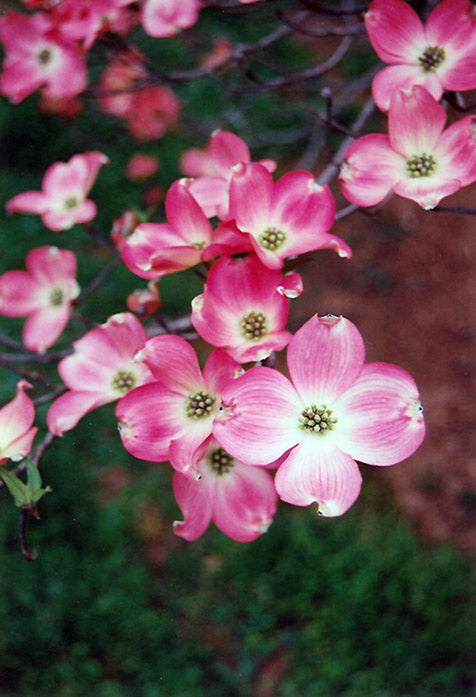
column 329, row 319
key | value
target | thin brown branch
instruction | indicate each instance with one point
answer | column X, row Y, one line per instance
column 32, row 375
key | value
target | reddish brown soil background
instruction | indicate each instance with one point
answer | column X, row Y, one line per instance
column 410, row 288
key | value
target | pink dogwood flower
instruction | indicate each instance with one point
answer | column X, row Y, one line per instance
column 289, row 217
column 438, row 56
column 170, row 418
column 145, row 301
column 101, row 370
column 241, row 500
column 213, row 169
column 43, row 293
column 16, row 419
column 86, row 20
column 244, row 308
column 62, row 201
column 38, row 56
column 336, row 410
column 162, row 18
column 156, row 249
column 417, row 159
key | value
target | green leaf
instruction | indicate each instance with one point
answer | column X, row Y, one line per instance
column 33, row 481
column 17, row 488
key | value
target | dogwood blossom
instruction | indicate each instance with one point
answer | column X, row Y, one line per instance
column 336, row 410
column 62, row 201
column 244, row 308
column 241, row 500
column 162, row 18
column 38, row 56
column 170, row 418
column 101, row 370
column 292, row 216
column 43, row 293
column 438, row 56
column 417, row 159
column 16, row 419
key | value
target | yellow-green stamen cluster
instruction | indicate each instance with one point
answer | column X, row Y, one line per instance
column 421, row 165
column 317, row 419
column 71, row 202
column 123, row 381
column 272, row 239
column 44, row 56
column 431, row 57
column 199, row 405
column 56, row 297
column 220, row 461
column 199, row 245
column 253, row 326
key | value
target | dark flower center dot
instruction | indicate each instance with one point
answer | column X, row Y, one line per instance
column 220, row 461
column 123, row 381
column 431, row 57
column 421, row 165
column 199, row 245
column 199, row 405
column 71, row 202
column 317, row 419
column 44, row 56
column 56, row 297
column 253, row 326
column 272, row 239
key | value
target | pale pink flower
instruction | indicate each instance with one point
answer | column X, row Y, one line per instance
column 214, row 169
column 289, row 217
column 241, row 500
column 43, row 293
column 146, row 301
column 37, row 56
column 156, row 249
column 62, row 201
column 244, row 308
column 101, row 370
column 439, row 56
column 417, row 159
column 162, row 18
column 336, row 410
column 141, row 166
column 169, row 419
column 16, row 432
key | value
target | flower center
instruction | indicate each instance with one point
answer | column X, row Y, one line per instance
column 56, row 297
column 253, row 326
column 199, row 245
column 421, row 165
column 431, row 57
column 317, row 419
column 220, row 462
column 272, row 239
column 199, row 405
column 44, row 56
column 71, row 202
column 123, row 381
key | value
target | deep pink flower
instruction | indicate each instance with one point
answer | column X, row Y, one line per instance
column 38, row 56
column 418, row 160
column 214, row 168
column 141, row 166
column 292, row 216
column 117, row 94
column 43, row 293
column 16, row 419
column 62, row 201
column 241, row 500
column 169, row 419
column 155, row 110
column 162, row 18
column 101, row 370
column 156, row 249
column 244, row 308
column 85, row 20
column 439, row 56
column 146, row 301
column 336, row 410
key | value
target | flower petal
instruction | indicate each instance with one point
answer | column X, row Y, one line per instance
column 380, row 420
column 415, row 121
column 316, row 470
column 324, row 357
column 67, row 410
column 195, row 499
column 395, row 30
column 173, row 362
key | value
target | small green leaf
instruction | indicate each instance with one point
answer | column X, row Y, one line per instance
column 33, row 481
column 17, row 488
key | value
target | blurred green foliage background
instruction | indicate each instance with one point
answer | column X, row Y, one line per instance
column 116, row 606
